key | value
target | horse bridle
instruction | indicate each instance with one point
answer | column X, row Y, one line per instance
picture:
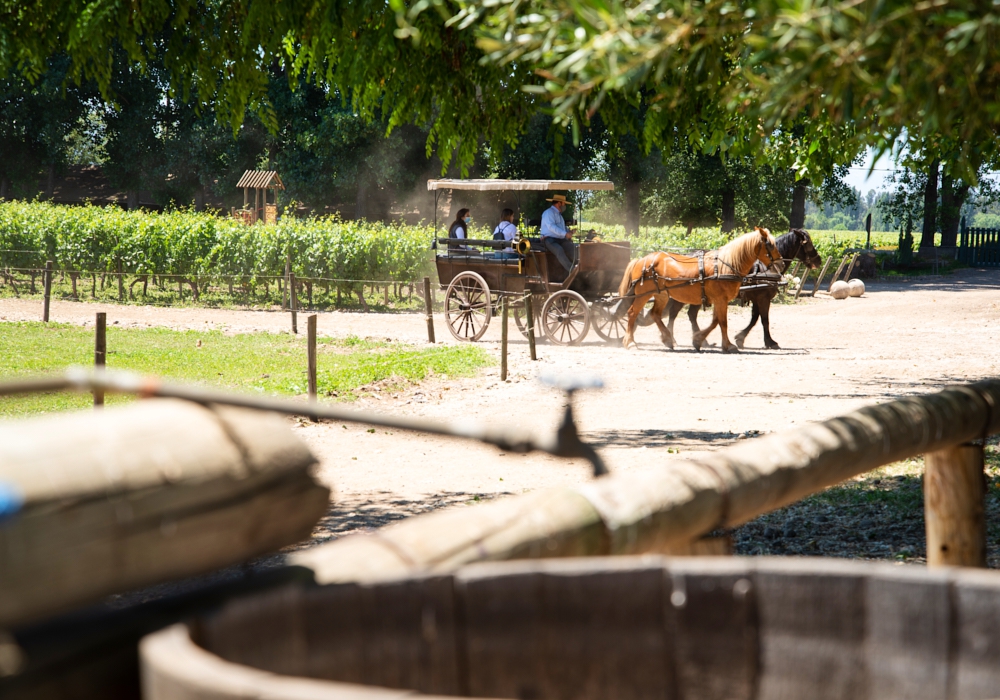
column 772, row 251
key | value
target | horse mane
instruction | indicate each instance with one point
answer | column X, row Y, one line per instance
column 739, row 252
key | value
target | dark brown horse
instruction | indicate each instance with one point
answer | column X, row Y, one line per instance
column 795, row 245
column 713, row 277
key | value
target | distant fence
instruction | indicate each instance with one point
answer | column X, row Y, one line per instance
column 979, row 247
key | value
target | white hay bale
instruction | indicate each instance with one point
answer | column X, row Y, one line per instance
column 840, row 290
column 856, row 287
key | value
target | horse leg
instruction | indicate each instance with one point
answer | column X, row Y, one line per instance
column 722, row 316
column 693, row 317
column 742, row 335
column 633, row 315
column 673, row 308
column 657, row 313
column 765, row 308
column 698, row 339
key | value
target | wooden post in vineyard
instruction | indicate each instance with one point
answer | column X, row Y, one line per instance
column 429, row 307
column 100, row 352
column 529, row 318
column 47, row 283
column 288, row 272
column 311, row 356
column 290, row 287
column 503, row 339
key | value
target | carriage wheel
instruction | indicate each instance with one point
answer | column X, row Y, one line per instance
column 609, row 325
column 566, row 318
column 521, row 320
column 467, row 307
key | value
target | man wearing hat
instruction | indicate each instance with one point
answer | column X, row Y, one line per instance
column 555, row 238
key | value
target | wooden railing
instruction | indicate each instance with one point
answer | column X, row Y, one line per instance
column 667, row 509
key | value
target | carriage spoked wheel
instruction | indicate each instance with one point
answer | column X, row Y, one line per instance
column 521, row 320
column 467, row 306
column 609, row 325
column 565, row 318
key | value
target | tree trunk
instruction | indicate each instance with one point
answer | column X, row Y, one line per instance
column 199, row 198
column 728, row 210
column 361, row 198
column 798, row 215
column 930, row 207
column 131, row 199
column 50, row 182
column 952, row 199
column 632, row 207
column 4, row 188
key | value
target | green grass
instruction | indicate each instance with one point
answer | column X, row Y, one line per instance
column 877, row 515
column 273, row 364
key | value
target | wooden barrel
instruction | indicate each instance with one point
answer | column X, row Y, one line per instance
column 628, row 628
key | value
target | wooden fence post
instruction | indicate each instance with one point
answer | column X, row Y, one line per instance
column 288, row 272
column 100, row 352
column 503, row 339
column 529, row 317
column 822, row 274
column 954, row 508
column 311, row 353
column 850, row 268
column 429, row 306
column 290, row 287
column 47, row 282
column 836, row 275
column 802, row 283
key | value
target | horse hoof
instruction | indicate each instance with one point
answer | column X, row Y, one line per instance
column 739, row 342
column 732, row 349
column 772, row 346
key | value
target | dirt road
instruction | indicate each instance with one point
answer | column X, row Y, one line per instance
column 657, row 404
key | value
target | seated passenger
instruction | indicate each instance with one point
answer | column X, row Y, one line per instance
column 505, row 231
column 459, row 229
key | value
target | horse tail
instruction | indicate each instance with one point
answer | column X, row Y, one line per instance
column 627, row 279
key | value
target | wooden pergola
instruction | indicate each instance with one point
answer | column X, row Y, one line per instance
column 260, row 181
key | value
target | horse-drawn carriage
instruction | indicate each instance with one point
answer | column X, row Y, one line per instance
column 565, row 305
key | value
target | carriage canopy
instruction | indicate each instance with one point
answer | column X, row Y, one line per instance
column 494, row 185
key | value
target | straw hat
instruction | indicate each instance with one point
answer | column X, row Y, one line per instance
column 557, row 198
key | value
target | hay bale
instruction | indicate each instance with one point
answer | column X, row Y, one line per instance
column 856, row 287
column 840, row 290
column 128, row 497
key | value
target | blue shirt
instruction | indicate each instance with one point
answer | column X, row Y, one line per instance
column 553, row 224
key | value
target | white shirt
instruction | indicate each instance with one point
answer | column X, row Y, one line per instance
column 553, row 223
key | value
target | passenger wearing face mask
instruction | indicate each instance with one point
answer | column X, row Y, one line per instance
column 459, row 229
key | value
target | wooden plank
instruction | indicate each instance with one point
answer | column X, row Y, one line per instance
column 812, row 630
column 822, row 274
column 577, row 630
column 802, row 283
column 976, row 600
column 909, row 624
column 712, row 621
column 836, row 275
column 154, row 491
column 954, row 506
column 850, row 268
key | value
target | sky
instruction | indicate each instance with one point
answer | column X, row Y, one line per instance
column 879, row 178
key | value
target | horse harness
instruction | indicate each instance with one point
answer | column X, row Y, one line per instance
column 649, row 273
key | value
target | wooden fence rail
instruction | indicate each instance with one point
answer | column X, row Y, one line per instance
column 667, row 509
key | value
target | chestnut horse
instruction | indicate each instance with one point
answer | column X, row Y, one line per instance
column 795, row 245
column 713, row 277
